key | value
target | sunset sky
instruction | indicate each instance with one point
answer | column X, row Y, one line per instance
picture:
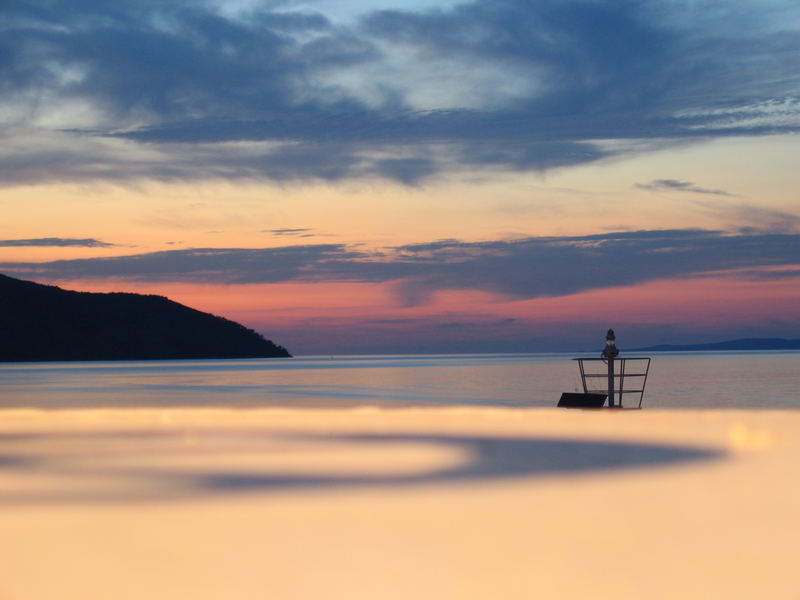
column 413, row 176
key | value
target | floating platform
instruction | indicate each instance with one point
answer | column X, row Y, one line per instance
column 589, row 402
column 617, row 379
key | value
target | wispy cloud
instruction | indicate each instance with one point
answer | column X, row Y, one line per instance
column 526, row 268
column 291, row 232
column 477, row 324
column 748, row 218
column 674, row 185
column 59, row 242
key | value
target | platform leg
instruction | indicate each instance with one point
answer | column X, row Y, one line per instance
column 611, row 382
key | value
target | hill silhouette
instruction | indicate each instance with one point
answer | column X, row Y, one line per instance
column 46, row 323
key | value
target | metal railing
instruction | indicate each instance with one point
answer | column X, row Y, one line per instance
column 615, row 380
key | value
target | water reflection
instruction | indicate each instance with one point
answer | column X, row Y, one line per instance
column 157, row 465
column 678, row 380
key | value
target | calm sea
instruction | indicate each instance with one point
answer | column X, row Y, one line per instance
column 676, row 380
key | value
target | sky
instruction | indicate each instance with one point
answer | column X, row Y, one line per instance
column 413, row 176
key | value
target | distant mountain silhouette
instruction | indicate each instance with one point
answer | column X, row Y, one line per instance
column 742, row 344
column 44, row 323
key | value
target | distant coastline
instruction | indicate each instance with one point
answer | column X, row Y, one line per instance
column 740, row 344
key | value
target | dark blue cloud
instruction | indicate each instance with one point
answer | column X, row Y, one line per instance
column 593, row 56
column 289, row 231
column 317, row 100
column 59, row 242
column 526, row 268
column 223, row 265
column 674, row 185
column 771, row 275
column 406, row 170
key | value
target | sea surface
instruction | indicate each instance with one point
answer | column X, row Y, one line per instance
column 675, row 380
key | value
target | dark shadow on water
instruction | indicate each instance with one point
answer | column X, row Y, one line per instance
column 488, row 459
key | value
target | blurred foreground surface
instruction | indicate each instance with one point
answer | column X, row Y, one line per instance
column 462, row 502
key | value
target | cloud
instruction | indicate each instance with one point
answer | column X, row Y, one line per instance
column 747, row 218
column 476, row 324
column 673, row 185
column 406, row 170
column 286, row 231
column 186, row 90
column 772, row 275
column 527, row 268
column 223, row 265
column 60, row 242
column 393, row 321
